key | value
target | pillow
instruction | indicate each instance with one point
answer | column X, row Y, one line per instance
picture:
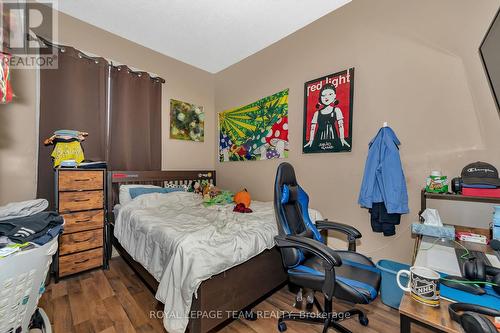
column 124, row 195
column 137, row 191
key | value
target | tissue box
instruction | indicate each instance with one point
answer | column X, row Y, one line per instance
column 446, row 231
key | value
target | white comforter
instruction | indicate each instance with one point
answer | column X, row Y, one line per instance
column 182, row 243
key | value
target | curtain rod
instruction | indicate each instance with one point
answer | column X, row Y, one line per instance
column 62, row 48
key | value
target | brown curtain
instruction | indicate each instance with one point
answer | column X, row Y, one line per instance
column 71, row 97
column 135, row 120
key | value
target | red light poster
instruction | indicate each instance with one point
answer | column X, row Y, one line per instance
column 328, row 113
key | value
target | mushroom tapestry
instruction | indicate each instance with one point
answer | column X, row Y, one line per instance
column 187, row 121
column 257, row 131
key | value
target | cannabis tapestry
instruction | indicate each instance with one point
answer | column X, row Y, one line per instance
column 187, row 121
column 257, row 131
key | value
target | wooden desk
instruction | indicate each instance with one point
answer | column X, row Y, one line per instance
column 436, row 319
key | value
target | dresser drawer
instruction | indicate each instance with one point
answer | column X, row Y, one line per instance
column 81, row 221
column 75, row 201
column 80, row 241
column 80, row 180
column 74, row 263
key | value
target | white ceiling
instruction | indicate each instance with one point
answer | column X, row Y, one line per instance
column 208, row 34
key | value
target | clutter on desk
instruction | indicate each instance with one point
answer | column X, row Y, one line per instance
column 383, row 189
column 67, row 146
column 6, row 92
column 436, row 183
column 466, row 236
column 478, row 179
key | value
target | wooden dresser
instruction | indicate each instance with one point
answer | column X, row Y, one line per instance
column 80, row 199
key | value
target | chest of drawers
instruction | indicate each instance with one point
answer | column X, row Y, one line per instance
column 80, row 199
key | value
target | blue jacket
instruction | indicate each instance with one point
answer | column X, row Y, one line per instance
column 384, row 180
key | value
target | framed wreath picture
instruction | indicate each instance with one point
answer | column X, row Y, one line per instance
column 328, row 111
column 187, row 121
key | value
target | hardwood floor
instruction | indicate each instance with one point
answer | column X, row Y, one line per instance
column 116, row 301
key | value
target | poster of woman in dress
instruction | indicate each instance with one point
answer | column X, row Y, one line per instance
column 328, row 113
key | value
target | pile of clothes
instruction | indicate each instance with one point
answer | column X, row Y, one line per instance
column 383, row 190
column 67, row 146
column 28, row 222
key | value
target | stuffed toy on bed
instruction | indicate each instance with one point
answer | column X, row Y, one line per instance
column 242, row 200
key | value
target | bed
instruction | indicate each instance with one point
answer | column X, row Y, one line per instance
column 245, row 281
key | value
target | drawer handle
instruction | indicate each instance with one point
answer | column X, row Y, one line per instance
column 81, row 200
column 83, row 240
column 82, row 221
column 82, row 180
column 81, row 261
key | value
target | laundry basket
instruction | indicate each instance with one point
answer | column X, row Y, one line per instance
column 22, row 283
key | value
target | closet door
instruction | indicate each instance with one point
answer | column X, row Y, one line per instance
column 135, row 120
column 72, row 97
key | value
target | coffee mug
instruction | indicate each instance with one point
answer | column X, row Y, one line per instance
column 423, row 284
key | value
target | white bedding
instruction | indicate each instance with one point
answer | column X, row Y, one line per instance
column 182, row 243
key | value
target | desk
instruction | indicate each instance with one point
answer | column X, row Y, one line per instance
column 436, row 319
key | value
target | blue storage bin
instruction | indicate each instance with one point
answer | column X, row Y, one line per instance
column 389, row 290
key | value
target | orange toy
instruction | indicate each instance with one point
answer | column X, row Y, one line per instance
column 243, row 197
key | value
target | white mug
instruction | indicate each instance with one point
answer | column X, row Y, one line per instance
column 423, row 284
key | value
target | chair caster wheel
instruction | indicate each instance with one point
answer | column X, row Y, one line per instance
column 363, row 320
column 281, row 326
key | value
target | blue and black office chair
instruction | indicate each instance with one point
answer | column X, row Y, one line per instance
column 311, row 264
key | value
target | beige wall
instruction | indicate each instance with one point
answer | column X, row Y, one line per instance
column 416, row 67
column 18, row 136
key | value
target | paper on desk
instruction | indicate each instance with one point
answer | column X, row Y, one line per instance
column 438, row 257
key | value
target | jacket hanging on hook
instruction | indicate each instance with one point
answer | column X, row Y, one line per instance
column 383, row 189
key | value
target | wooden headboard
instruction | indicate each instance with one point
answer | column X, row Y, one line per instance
column 158, row 178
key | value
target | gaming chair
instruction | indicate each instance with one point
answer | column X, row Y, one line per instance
column 312, row 265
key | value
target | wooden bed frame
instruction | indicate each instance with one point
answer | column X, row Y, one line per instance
column 229, row 292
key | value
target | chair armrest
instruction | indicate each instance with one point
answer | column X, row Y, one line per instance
column 329, row 256
column 311, row 245
column 344, row 228
column 351, row 232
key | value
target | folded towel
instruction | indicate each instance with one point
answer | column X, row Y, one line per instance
column 21, row 209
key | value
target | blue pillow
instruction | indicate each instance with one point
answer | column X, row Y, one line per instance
column 137, row 191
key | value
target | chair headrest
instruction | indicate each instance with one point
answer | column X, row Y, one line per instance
column 285, row 175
